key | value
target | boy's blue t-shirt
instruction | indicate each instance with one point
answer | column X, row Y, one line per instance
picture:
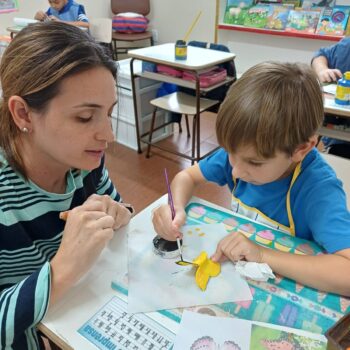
column 71, row 12
column 338, row 55
column 318, row 201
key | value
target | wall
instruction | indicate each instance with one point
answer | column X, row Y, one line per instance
column 171, row 20
column 252, row 48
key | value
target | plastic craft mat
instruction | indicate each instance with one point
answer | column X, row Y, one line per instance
column 281, row 301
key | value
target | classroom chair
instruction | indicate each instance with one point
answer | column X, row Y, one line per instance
column 184, row 104
column 141, row 7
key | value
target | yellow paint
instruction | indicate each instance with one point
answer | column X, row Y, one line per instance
column 206, row 269
column 201, row 234
column 197, row 229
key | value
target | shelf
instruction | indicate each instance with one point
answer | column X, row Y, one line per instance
column 336, row 134
column 181, row 82
column 238, row 28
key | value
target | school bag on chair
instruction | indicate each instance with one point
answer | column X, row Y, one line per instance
column 220, row 92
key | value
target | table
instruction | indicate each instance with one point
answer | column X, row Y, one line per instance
column 198, row 59
column 92, row 292
column 14, row 30
column 337, row 110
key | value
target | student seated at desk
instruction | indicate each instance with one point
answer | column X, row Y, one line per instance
column 275, row 174
column 59, row 90
column 67, row 11
column 330, row 63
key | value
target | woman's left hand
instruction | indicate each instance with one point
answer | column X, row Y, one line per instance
column 106, row 204
column 115, row 209
column 236, row 247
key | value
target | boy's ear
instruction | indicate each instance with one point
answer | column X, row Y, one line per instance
column 20, row 112
column 302, row 150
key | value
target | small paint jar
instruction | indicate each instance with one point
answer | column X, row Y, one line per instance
column 342, row 94
column 180, row 50
column 165, row 249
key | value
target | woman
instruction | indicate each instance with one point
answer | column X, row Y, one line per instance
column 58, row 91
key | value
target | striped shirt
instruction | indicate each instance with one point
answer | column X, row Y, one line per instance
column 30, row 234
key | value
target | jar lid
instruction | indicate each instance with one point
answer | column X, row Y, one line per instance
column 166, row 249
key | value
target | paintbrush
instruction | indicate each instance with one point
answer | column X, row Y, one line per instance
column 171, row 204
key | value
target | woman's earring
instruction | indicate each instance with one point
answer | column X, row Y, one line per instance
column 25, row 130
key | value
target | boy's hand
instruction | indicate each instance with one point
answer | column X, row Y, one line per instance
column 54, row 18
column 329, row 75
column 166, row 227
column 236, row 247
column 40, row 16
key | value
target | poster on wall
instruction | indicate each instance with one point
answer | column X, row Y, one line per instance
column 8, row 6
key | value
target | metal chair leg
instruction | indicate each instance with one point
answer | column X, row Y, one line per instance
column 194, row 138
column 187, row 126
column 180, row 126
column 151, row 132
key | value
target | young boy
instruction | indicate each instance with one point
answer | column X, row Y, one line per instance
column 64, row 11
column 267, row 127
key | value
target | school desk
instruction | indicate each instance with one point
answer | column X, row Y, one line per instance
column 14, row 30
column 198, row 59
column 337, row 110
column 280, row 301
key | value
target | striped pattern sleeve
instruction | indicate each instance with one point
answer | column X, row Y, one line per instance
column 81, row 14
column 105, row 186
column 22, row 306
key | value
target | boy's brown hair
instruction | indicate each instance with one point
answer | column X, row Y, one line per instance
column 273, row 106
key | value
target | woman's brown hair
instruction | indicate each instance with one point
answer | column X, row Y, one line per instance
column 33, row 67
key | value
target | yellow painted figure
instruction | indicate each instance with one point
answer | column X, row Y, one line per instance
column 206, row 268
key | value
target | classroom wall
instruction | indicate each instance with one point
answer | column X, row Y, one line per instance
column 252, row 48
column 171, row 19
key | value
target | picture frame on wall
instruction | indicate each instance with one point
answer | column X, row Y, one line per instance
column 8, row 6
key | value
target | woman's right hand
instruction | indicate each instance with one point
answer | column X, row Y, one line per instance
column 166, row 227
column 88, row 230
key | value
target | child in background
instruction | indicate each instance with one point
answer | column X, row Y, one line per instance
column 267, row 127
column 67, row 11
column 330, row 63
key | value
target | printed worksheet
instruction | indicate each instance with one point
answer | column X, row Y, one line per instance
column 198, row 332
column 113, row 328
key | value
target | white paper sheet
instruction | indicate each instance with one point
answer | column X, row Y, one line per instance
column 198, row 332
column 330, row 88
column 156, row 283
column 22, row 22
